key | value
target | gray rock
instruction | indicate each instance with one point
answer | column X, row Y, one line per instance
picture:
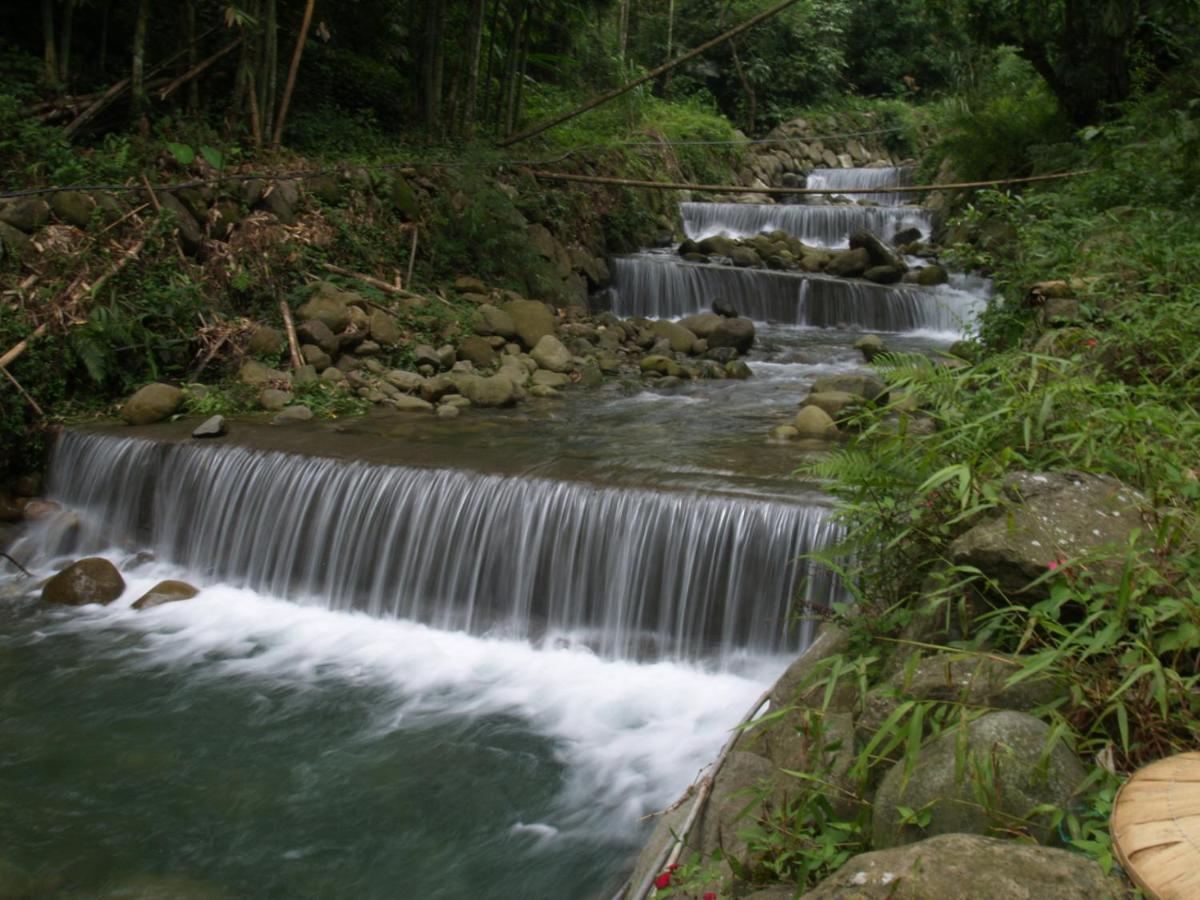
column 73, row 207
column 281, row 199
column 214, row 426
column 549, row 353
column 292, row 414
column 736, row 333
column 305, row 375
column 490, row 320
column 316, row 357
column 814, row 422
column 409, row 382
column 15, row 244
column 952, row 782
column 849, row 263
column 547, row 378
column 701, row 324
column 745, row 258
column 870, row 346
column 1049, row 518
column 660, row 365
column 740, row 794
column 327, row 304
column 868, row 387
column 383, row 329
column 333, row 375
column 839, row 405
column 724, row 308
column 498, row 390
column 879, row 251
column 478, row 352
column 166, row 592
column 273, row 400
column 27, row 214
column 532, row 321
column 152, row 403
column 424, row 355
column 367, row 348
column 191, row 236
column 406, row 403
column 738, row 370
column 883, row 274
column 317, row 333
column 958, row 866
column 447, row 411
column 266, row 341
column 90, row 580
column 929, row 276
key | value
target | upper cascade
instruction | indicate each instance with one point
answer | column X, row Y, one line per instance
column 868, row 178
column 825, row 226
column 632, row 573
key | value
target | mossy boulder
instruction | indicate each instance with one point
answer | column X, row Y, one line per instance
column 680, row 339
column 656, row 364
column 490, row 320
column 737, row 333
column 90, row 580
column 383, row 329
column 478, row 352
column 26, row 213
column 550, row 353
column 498, row 390
column 814, row 422
column 987, row 776
column 266, row 341
column 701, row 324
column 73, row 207
column 532, row 321
column 868, row 387
column 257, row 374
column 169, row 591
column 152, row 403
column 328, row 304
column 848, row 263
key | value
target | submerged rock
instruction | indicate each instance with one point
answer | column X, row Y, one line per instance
column 211, row 427
column 90, row 580
column 165, row 592
column 954, row 866
column 150, row 404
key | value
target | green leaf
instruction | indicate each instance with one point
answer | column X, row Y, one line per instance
column 213, row 157
column 184, row 155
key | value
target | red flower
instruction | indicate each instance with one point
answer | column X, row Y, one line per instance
column 711, row 895
column 672, row 867
column 1091, row 342
column 663, row 880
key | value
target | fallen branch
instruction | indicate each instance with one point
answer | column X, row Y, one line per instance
column 27, row 573
column 24, row 393
column 742, row 189
column 368, row 279
column 412, row 256
column 601, row 99
column 293, row 342
column 196, row 70
column 15, row 353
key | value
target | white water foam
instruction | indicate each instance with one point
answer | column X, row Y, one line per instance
column 631, row 736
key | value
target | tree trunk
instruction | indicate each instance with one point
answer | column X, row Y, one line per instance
column 269, row 74
column 286, row 100
column 622, row 35
column 512, row 69
column 137, row 70
column 104, row 16
column 522, row 67
column 670, row 29
column 432, row 64
column 474, row 49
column 485, row 112
column 49, row 56
column 193, row 96
column 751, row 99
column 64, row 46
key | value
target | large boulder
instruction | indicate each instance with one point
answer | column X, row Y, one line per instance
column 549, row 353
column 281, row 199
column 701, row 324
column 532, row 321
column 989, row 775
column 680, row 339
column 478, row 352
column 849, row 263
column 384, row 329
column 868, row 387
column 73, row 207
column 498, row 390
column 27, row 213
column 256, row 374
column 740, row 794
column 15, row 244
column 90, row 580
column 191, row 236
column 814, row 422
column 1050, row 519
column 327, row 305
column 736, row 333
column 839, row 405
column 880, row 252
column 169, row 591
column 317, row 333
column 152, row 403
column 956, row 866
column 745, row 258
column 266, row 341
column 490, row 320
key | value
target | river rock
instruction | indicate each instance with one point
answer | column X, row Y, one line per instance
column 273, row 400
column 532, row 321
column 383, row 329
column 838, row 405
column 73, row 207
column 166, row 592
column 266, row 341
column 660, row 365
column 152, row 403
column 736, row 333
column 408, row 403
column 883, row 274
column 724, row 308
column 906, row 236
column 930, row 276
column 956, row 866
column 738, row 370
column 1050, row 518
column 701, row 324
column 549, row 353
column 498, row 390
column 733, row 806
column 214, row 426
column 849, row 263
column 814, row 422
column 424, row 355
column 317, row 333
column 679, row 338
column 948, row 780
column 490, row 320
column 868, row 387
column 15, row 244
column 327, row 305
column 745, row 258
column 880, row 253
column 870, row 346
column 26, row 213
column 409, row 382
column 546, row 378
column 316, row 357
column 478, row 352
column 292, row 414
column 90, row 580
column 716, row 245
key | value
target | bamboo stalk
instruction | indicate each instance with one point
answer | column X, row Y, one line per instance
column 285, row 102
column 293, row 343
column 15, row 353
column 367, row 279
column 412, row 257
column 196, row 70
column 24, row 393
column 742, row 189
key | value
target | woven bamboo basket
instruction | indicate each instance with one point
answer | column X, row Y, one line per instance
column 1155, row 828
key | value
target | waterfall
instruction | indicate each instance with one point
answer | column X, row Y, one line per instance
column 659, row 286
column 848, row 179
column 633, row 573
column 826, row 226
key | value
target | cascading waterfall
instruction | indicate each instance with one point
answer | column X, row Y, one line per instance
column 633, row 573
column 826, row 226
column 852, row 179
column 660, row 286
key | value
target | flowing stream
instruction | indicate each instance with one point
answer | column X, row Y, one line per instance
column 433, row 658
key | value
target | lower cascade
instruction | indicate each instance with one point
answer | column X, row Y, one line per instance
column 632, row 573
